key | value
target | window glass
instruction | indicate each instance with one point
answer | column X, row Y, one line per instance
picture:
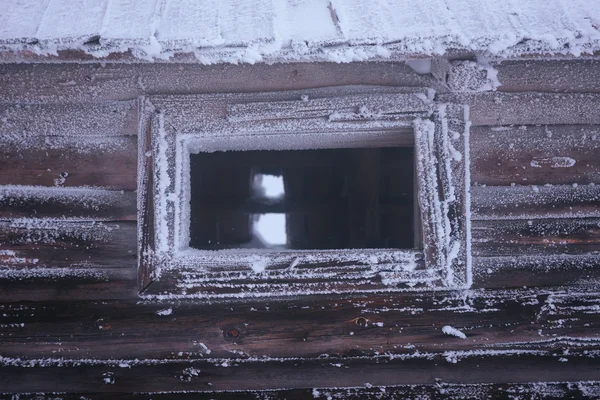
column 303, row 199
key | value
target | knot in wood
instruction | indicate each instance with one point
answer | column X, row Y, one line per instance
column 233, row 332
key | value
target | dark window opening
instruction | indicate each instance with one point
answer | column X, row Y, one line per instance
column 303, row 199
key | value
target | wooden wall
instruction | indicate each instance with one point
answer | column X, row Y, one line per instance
column 71, row 320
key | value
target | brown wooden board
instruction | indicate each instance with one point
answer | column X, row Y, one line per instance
column 575, row 75
column 439, row 390
column 68, row 284
column 20, row 120
column 535, row 202
column 497, row 108
column 535, row 155
column 69, row 162
column 540, row 272
column 95, row 82
column 339, row 327
column 536, row 237
column 30, row 243
column 67, row 203
column 266, row 375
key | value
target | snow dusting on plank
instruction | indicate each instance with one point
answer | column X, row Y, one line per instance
column 448, row 330
column 340, row 31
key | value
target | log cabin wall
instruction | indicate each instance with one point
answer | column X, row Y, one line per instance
column 71, row 320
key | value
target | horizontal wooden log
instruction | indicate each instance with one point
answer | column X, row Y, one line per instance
column 538, row 237
column 40, row 243
column 534, row 202
column 535, row 155
column 67, row 203
column 549, row 76
column 71, row 119
column 307, row 327
column 94, row 82
column 349, row 107
column 117, row 377
column 439, row 390
column 337, row 110
column 522, row 270
column 331, row 278
column 496, row 108
column 69, row 162
column 67, row 284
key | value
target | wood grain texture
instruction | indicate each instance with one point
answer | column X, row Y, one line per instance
column 439, row 390
column 332, row 110
column 70, row 162
column 205, row 375
column 535, row 155
column 115, row 118
column 36, row 285
column 31, row 243
column 497, row 108
column 93, row 82
column 525, row 329
column 574, row 75
column 307, row 327
column 540, row 272
column 79, row 204
column 534, row 202
column 538, row 237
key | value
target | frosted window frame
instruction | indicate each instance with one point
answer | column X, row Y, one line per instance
column 167, row 134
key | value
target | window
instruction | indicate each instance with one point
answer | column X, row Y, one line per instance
column 324, row 190
column 352, row 198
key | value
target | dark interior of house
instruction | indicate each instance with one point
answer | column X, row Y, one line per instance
column 328, row 199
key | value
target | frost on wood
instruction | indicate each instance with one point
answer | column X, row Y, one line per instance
column 449, row 330
column 309, row 119
column 469, row 76
column 444, row 181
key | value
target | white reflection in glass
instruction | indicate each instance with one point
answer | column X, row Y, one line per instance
column 269, row 186
column 269, row 228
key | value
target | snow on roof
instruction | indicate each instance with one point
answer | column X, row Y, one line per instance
column 294, row 30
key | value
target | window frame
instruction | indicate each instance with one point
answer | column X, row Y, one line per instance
column 171, row 124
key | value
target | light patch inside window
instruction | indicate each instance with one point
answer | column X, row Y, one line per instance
column 269, row 186
column 270, row 229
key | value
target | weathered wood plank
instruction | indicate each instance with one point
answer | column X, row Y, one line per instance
column 69, row 162
column 534, row 202
column 40, row 243
column 439, row 390
column 538, row 237
column 308, row 327
column 336, row 109
column 67, row 203
column 549, row 76
column 154, row 375
column 71, row 119
column 331, row 278
column 349, row 107
column 535, row 155
column 496, row 108
column 67, row 284
column 538, row 272
column 100, row 82
column 538, row 333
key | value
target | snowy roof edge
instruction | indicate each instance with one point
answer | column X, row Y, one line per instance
column 326, row 52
